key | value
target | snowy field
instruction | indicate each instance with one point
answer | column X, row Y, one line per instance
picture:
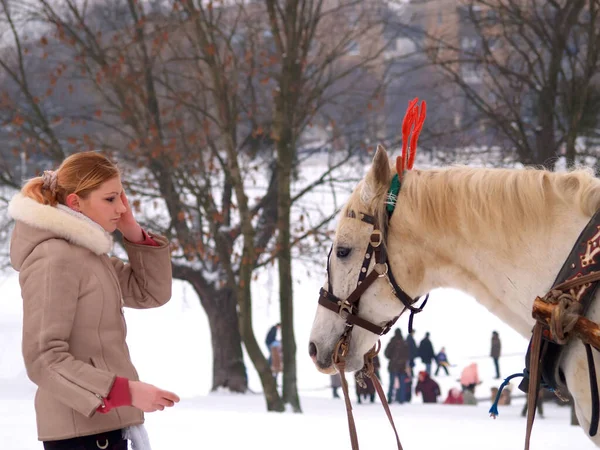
column 171, row 348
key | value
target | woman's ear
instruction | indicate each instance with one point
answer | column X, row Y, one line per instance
column 73, row 202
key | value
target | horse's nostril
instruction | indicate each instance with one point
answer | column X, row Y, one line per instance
column 312, row 349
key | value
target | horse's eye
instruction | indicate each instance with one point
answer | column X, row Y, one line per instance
column 342, row 252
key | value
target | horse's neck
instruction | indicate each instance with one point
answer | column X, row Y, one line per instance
column 506, row 282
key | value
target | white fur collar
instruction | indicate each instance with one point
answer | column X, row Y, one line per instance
column 62, row 220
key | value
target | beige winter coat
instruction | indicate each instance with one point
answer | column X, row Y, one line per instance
column 73, row 325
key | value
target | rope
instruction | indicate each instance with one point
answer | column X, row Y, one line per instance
column 494, row 409
column 564, row 315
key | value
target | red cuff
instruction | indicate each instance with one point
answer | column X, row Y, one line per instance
column 148, row 240
column 119, row 395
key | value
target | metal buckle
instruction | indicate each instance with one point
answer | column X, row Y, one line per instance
column 346, row 308
column 387, row 327
column 376, row 234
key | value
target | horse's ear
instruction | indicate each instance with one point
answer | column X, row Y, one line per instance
column 379, row 173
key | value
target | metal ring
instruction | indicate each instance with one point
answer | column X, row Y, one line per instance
column 382, row 273
column 102, row 446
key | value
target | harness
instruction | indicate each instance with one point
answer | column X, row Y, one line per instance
column 557, row 314
column 560, row 316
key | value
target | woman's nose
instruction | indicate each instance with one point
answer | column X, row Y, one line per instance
column 121, row 208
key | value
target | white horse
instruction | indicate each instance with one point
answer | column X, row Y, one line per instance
column 500, row 235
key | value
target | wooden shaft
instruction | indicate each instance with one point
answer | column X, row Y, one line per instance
column 584, row 329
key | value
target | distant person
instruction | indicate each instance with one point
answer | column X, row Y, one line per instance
column 272, row 339
column 398, row 353
column 505, row 396
column 428, row 388
column 426, row 353
column 496, row 349
column 74, row 348
column 368, row 390
column 408, row 381
column 441, row 360
column 540, row 405
column 455, row 397
column 469, row 398
column 273, row 342
column 469, row 378
column 336, row 383
column 413, row 350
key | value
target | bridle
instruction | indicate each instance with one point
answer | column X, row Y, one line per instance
column 348, row 308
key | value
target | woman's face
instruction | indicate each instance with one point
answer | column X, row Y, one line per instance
column 104, row 205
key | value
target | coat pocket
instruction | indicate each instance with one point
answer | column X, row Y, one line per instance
column 96, row 363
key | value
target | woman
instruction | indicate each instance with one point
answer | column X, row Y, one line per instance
column 89, row 395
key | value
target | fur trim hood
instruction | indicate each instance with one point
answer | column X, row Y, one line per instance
column 45, row 222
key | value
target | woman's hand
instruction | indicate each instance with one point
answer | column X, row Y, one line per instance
column 149, row 398
column 127, row 224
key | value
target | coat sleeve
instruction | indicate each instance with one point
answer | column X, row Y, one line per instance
column 49, row 307
column 146, row 280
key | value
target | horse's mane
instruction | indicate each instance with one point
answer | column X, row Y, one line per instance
column 479, row 201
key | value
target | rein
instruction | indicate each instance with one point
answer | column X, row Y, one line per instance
column 369, row 371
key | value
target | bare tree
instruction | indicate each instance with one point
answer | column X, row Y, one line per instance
column 320, row 48
column 527, row 70
column 186, row 95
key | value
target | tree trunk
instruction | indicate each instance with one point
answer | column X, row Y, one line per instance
column 570, row 148
column 274, row 401
column 285, row 157
column 545, row 143
column 229, row 370
column 272, row 398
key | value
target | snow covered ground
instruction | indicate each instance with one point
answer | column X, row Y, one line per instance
column 171, row 348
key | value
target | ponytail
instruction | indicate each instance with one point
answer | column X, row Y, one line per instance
column 34, row 189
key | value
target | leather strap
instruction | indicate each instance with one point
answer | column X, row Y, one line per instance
column 534, row 379
column 339, row 361
column 341, row 366
column 386, row 407
column 594, row 391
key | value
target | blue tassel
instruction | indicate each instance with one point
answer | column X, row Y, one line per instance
column 494, row 409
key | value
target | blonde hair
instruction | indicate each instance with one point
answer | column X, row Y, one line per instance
column 81, row 173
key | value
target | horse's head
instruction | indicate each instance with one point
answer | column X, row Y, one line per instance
column 357, row 262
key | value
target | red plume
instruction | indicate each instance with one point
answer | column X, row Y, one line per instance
column 413, row 122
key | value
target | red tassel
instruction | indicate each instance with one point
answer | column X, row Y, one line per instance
column 413, row 122
column 399, row 166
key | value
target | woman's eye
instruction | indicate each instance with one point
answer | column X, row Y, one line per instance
column 342, row 252
column 110, row 200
